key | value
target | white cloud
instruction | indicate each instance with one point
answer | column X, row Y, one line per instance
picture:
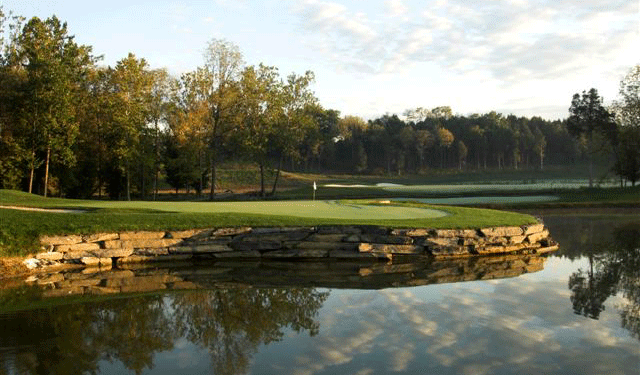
column 511, row 39
column 396, row 7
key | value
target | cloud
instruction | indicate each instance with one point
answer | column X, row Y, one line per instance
column 396, row 8
column 512, row 40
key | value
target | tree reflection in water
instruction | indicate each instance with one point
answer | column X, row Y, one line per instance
column 232, row 323
column 73, row 338
column 229, row 323
column 614, row 269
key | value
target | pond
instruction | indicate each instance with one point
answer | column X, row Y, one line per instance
column 576, row 311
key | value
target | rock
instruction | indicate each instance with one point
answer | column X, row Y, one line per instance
column 484, row 250
column 439, row 242
column 60, row 240
column 230, row 231
column 537, row 237
column 449, row 251
column 151, row 252
column 199, row 249
column 85, row 282
column 149, row 243
column 392, row 249
column 77, row 247
column 95, row 261
column 326, row 245
column 516, row 239
column 256, row 245
column 373, row 229
column 501, row 231
column 53, row 255
column 182, row 234
column 100, row 237
column 142, row 235
column 353, row 238
column 284, row 236
column 531, row 229
column 76, row 255
column 327, row 237
column 337, row 229
column 392, row 240
column 463, row 233
column 412, row 232
column 113, row 253
column 497, row 241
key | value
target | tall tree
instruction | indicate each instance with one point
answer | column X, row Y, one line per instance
column 539, row 146
column 589, row 119
column 295, row 121
column 159, row 109
column 12, row 78
column 131, row 84
column 627, row 115
column 55, row 67
column 224, row 62
column 261, row 107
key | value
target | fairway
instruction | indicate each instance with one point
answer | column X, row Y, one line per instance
column 474, row 188
column 482, row 200
column 313, row 209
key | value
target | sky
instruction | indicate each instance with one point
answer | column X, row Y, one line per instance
column 370, row 58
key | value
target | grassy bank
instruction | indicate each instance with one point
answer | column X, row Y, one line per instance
column 19, row 230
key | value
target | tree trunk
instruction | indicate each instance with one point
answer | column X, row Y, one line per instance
column 46, row 171
column 128, row 181
column 589, row 143
column 155, row 164
column 213, row 175
column 261, row 180
column 275, row 181
column 201, row 173
column 33, row 167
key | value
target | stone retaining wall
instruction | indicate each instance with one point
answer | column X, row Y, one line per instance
column 139, row 277
column 342, row 242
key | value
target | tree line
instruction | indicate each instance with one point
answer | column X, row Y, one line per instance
column 75, row 128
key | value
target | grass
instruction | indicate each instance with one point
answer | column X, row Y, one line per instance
column 20, row 230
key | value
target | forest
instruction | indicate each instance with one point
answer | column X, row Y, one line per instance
column 72, row 127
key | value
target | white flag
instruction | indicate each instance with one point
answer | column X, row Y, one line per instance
column 314, row 186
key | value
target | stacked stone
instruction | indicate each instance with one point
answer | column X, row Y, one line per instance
column 141, row 277
column 341, row 242
column 96, row 282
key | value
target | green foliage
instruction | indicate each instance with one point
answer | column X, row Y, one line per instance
column 627, row 114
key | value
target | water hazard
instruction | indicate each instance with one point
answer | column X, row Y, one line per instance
column 577, row 311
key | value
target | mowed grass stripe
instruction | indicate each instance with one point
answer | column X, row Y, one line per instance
column 319, row 209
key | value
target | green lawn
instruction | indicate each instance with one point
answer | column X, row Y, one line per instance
column 19, row 230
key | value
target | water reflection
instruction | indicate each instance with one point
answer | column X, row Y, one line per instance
column 62, row 324
column 614, row 269
column 230, row 324
column 273, row 318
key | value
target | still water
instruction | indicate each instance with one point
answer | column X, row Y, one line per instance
column 574, row 312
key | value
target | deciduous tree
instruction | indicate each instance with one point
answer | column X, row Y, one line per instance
column 589, row 119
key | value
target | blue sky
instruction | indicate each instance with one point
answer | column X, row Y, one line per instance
column 526, row 57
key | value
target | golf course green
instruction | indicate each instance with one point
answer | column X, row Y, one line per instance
column 25, row 217
column 330, row 209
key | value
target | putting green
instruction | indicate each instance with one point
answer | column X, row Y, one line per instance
column 318, row 209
